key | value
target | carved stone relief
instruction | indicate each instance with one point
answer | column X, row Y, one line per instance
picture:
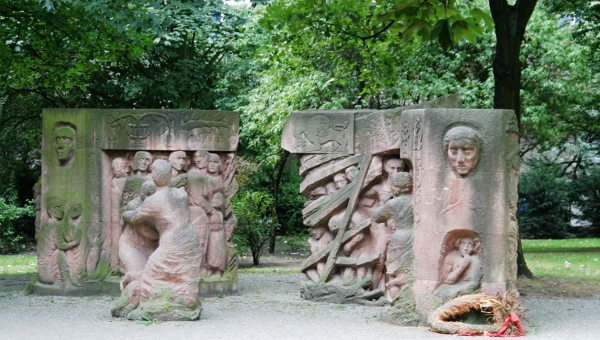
column 411, row 167
column 320, row 132
column 160, row 253
column 107, row 172
column 64, row 142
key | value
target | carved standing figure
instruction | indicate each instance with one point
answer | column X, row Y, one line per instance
column 380, row 234
column 216, row 244
column 397, row 214
column 169, row 285
column 141, row 173
column 59, row 252
column 121, row 172
column 178, row 162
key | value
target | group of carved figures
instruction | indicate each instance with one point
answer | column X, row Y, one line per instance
column 377, row 248
column 204, row 183
column 175, row 226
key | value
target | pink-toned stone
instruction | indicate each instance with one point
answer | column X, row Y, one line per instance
column 455, row 234
column 95, row 161
column 167, row 286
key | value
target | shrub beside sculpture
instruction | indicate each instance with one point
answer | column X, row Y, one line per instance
column 144, row 194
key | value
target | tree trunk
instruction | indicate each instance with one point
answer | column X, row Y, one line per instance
column 276, row 184
column 510, row 23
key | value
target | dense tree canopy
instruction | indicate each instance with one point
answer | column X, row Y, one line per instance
column 289, row 55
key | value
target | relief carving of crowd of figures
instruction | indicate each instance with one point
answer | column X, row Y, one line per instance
column 206, row 178
column 377, row 248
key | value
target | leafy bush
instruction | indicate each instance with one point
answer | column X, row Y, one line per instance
column 545, row 202
column 291, row 203
column 13, row 222
column 257, row 221
column 588, row 201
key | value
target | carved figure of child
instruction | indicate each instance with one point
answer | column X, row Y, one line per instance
column 461, row 269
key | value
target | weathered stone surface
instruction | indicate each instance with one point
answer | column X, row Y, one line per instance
column 319, row 132
column 171, row 130
column 94, row 163
column 161, row 252
column 422, row 209
column 465, row 169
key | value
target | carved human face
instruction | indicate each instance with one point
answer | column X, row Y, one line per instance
column 177, row 159
column 56, row 208
column 64, row 143
column 462, row 156
column 393, row 165
column 463, row 147
column 214, row 163
column 142, row 161
column 121, row 168
column 351, row 173
column 340, row 180
column 201, row 159
column 466, row 246
column 317, row 233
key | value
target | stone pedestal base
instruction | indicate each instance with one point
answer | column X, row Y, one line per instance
column 108, row 286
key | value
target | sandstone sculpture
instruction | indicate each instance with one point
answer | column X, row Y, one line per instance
column 97, row 163
column 404, row 205
column 162, row 283
column 64, row 143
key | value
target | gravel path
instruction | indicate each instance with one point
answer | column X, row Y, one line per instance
column 268, row 307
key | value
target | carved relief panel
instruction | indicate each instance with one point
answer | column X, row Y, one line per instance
column 98, row 161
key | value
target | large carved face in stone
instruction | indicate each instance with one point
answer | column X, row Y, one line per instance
column 463, row 147
column 393, row 165
column 56, row 208
column 142, row 161
column 64, row 143
column 214, row 163
column 178, row 159
column 120, row 168
column 340, row 180
column 201, row 159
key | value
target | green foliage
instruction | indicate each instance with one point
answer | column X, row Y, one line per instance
column 290, row 201
column 560, row 88
column 545, row 198
column 588, row 200
column 12, row 233
column 257, row 221
column 445, row 21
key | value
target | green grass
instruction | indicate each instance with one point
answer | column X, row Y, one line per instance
column 18, row 264
column 573, row 258
column 254, row 270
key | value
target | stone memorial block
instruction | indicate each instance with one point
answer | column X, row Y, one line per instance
column 97, row 172
column 465, row 169
column 422, row 210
